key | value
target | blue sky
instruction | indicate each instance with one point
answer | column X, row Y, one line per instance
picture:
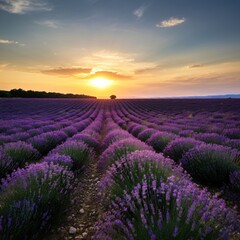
column 159, row 48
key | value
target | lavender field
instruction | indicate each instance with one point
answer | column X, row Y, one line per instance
column 120, row 169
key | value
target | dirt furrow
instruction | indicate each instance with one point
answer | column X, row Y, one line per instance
column 84, row 210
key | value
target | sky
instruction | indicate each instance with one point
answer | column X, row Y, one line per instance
column 130, row 48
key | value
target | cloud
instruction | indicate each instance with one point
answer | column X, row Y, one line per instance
column 85, row 73
column 67, row 71
column 196, row 66
column 139, row 12
column 171, row 22
column 148, row 69
column 4, row 41
column 109, row 75
column 24, row 6
column 49, row 23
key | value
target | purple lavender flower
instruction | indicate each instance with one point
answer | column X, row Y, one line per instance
column 131, row 169
column 47, row 141
column 34, row 132
column 211, row 138
column 22, row 136
column 70, row 131
column 146, row 134
column 159, row 140
column 82, row 125
column 233, row 143
column 120, row 149
column 14, row 155
column 186, row 133
column 233, row 133
column 62, row 160
column 210, row 164
column 178, row 210
column 114, row 136
column 91, row 132
column 170, row 128
column 87, row 139
column 178, row 147
column 6, row 139
column 137, row 129
column 78, row 151
column 31, row 198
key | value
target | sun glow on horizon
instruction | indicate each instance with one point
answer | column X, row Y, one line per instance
column 101, row 82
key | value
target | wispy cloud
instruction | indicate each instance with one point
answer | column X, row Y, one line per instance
column 171, row 22
column 148, row 69
column 195, row 66
column 85, row 73
column 5, row 41
column 49, row 23
column 24, row 6
column 139, row 12
column 67, row 71
column 108, row 74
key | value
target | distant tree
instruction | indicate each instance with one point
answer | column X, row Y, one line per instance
column 113, row 96
column 18, row 93
column 4, row 94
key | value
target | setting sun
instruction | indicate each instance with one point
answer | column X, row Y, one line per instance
column 101, row 82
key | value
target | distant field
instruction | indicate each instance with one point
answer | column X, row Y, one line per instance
column 119, row 169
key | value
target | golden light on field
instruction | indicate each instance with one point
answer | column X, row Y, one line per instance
column 101, row 83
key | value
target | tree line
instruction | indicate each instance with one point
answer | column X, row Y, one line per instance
column 20, row 93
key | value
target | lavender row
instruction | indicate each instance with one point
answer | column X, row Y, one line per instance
column 33, row 117
column 28, row 127
column 203, row 126
column 35, row 197
column 146, row 196
column 208, row 164
column 17, row 154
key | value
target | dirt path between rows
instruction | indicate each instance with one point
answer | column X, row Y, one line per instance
column 85, row 209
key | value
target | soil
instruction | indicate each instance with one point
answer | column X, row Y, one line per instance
column 85, row 208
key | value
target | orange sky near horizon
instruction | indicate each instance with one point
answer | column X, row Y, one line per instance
column 150, row 82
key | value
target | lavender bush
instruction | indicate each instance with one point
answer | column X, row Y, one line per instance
column 137, row 129
column 78, row 151
column 120, row 149
column 233, row 133
column 167, row 210
column 146, row 134
column 6, row 139
column 213, row 138
column 47, row 141
column 178, row 147
column 210, row 164
column 70, row 131
column 88, row 139
column 186, row 133
column 159, row 140
column 14, row 155
column 114, row 136
column 131, row 169
column 233, row 143
column 31, row 199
